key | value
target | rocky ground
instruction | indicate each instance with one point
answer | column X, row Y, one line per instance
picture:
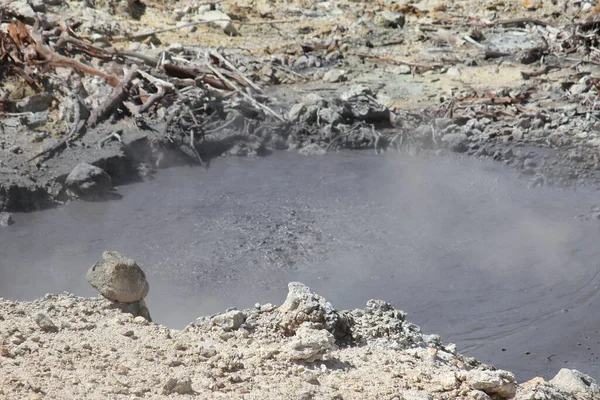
column 64, row 347
column 131, row 86
column 95, row 93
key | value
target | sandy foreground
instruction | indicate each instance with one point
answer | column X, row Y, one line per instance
column 69, row 347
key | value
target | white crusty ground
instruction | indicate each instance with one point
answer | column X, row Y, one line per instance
column 101, row 353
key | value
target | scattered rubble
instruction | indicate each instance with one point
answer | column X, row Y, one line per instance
column 101, row 351
column 129, row 87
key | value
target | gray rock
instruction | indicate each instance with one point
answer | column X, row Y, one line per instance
column 312, row 149
column 302, row 305
column 6, row 219
column 309, row 344
column 573, row 380
column 229, row 321
column 478, row 395
column 335, row 75
column 23, row 9
column 296, row 112
column 313, row 99
column 88, row 182
column 329, row 116
column 180, row 386
column 500, row 382
column 442, row 123
column 137, row 308
column 456, row 142
column 301, row 63
column 36, row 103
column 453, row 71
column 356, row 90
column 118, row 278
column 390, row 19
column 45, row 323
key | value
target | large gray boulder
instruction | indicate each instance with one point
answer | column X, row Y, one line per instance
column 118, row 278
column 88, row 182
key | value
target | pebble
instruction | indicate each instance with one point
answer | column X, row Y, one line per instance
column 45, row 323
column 6, row 219
column 335, row 75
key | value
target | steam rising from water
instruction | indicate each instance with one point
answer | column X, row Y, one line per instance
column 461, row 245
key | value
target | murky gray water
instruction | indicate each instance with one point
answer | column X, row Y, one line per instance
column 463, row 246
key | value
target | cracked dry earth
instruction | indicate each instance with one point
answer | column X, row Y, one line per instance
column 68, row 347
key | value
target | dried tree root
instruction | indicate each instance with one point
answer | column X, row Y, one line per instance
column 118, row 95
column 56, row 60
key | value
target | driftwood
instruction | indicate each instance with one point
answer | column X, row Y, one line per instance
column 246, row 96
column 118, row 95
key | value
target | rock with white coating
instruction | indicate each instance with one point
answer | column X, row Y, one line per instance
column 390, row 19
column 6, row 219
column 573, row 380
column 335, row 75
column 309, row 344
column 45, row 323
column 303, row 306
column 229, row 321
column 478, row 395
column 180, row 386
column 118, row 278
column 501, row 383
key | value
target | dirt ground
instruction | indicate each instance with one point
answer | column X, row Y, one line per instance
column 64, row 347
column 510, row 80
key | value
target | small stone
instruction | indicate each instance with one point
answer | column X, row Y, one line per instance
column 329, row 116
column 15, row 150
column 180, row 386
column 478, row 395
column 6, row 219
column 498, row 382
column 310, row 344
column 176, row 47
column 456, row 142
column 313, row 99
column 442, row 123
column 122, row 370
column 312, row 149
column 579, row 88
column 453, row 72
column 401, row 70
column 335, row 75
column 140, row 320
column 296, row 112
column 45, row 323
column 230, row 320
column 390, row 19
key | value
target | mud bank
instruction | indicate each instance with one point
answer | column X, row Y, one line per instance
column 63, row 346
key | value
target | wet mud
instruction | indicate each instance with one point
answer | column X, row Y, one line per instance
column 505, row 271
